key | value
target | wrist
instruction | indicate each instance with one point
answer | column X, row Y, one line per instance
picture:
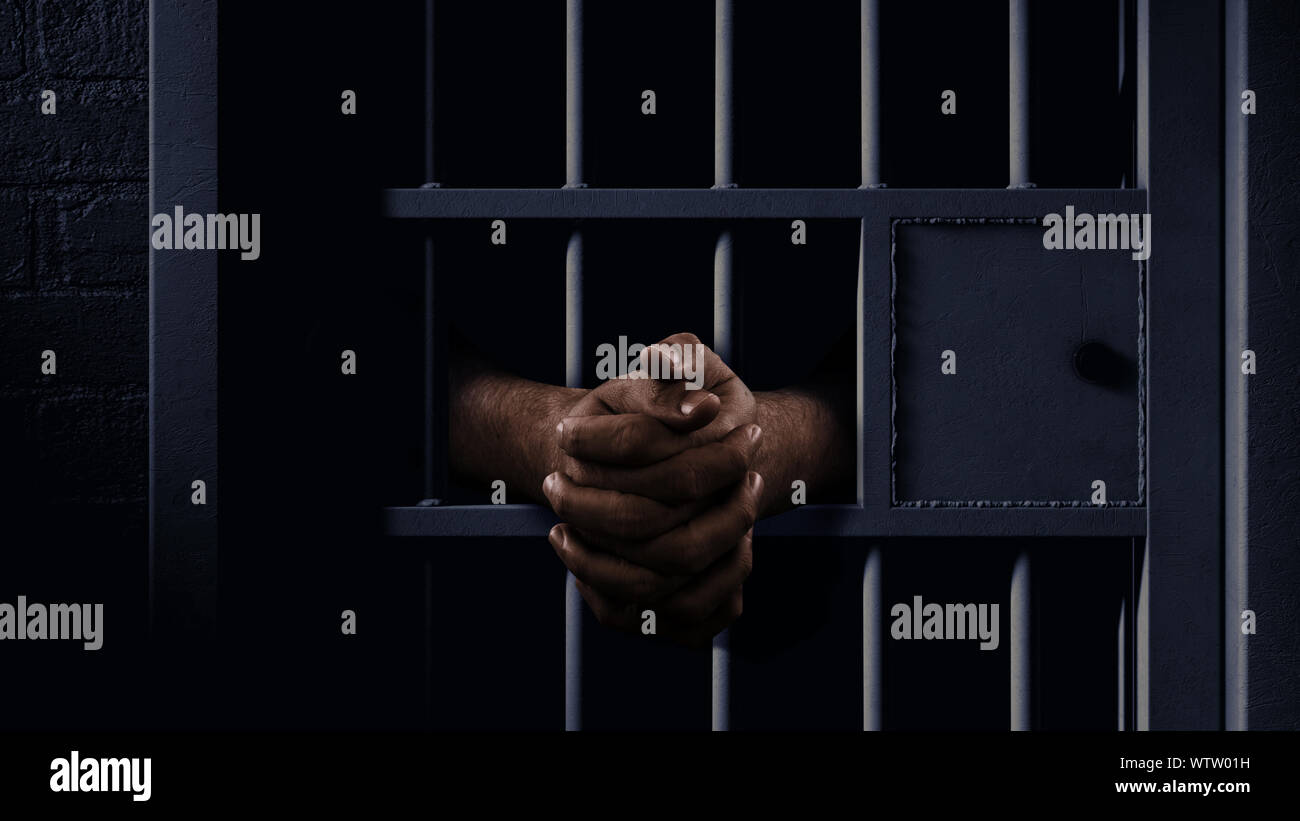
column 546, row 456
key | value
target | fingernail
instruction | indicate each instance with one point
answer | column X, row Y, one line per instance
column 559, row 428
column 557, row 536
column 549, row 484
column 693, row 401
column 754, row 432
column 754, row 480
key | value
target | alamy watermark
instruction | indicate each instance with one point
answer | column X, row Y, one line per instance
column 1085, row 232
column 179, row 231
column 676, row 361
column 56, row 622
column 77, row 774
column 920, row 620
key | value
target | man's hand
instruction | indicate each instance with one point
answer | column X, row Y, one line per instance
column 657, row 495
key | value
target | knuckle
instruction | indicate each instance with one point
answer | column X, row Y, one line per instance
column 692, row 555
column 624, row 441
column 735, row 458
column 579, row 472
column 560, row 500
column 631, row 519
column 690, row 480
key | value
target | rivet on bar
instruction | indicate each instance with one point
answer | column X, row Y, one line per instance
column 723, row 302
column 573, row 341
column 1019, row 89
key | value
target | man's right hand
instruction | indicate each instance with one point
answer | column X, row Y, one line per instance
column 657, row 497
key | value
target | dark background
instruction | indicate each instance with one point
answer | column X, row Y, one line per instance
column 74, row 279
column 308, row 457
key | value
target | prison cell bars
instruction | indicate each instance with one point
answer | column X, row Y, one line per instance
column 573, row 341
column 435, row 461
column 724, row 337
column 872, row 611
column 1021, row 604
column 723, row 291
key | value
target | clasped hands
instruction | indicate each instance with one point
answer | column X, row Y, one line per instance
column 656, row 496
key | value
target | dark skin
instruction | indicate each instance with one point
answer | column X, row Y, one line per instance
column 657, row 486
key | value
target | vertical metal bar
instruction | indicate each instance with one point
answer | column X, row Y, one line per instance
column 1021, row 635
column 1122, row 73
column 872, row 643
column 432, row 423
column 183, row 322
column 870, row 93
column 1142, row 645
column 1142, row 572
column 1236, row 568
column 1142, row 115
column 723, row 293
column 573, row 341
column 1182, row 142
column 1121, row 645
column 573, row 117
column 428, row 643
column 723, row 109
column 1018, row 83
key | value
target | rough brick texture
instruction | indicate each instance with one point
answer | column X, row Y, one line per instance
column 74, row 253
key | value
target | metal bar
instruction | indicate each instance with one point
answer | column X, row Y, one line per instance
column 872, row 642
column 433, row 427
column 748, row 203
column 1021, row 640
column 183, row 585
column 723, row 292
column 1236, row 567
column 1018, row 83
column 844, row 520
column 1181, row 145
column 1122, row 73
column 870, row 94
column 573, row 96
column 1121, row 645
column 723, row 108
column 573, row 337
column 434, row 463
column 428, row 642
column 1142, row 175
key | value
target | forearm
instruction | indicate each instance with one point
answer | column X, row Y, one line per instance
column 503, row 427
column 806, row 437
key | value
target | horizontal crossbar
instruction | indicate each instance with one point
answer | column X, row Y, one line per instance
column 826, row 521
column 752, row 203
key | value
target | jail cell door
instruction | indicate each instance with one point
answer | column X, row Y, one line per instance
column 1038, row 457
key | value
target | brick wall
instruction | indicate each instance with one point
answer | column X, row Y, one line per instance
column 74, row 279
column 73, row 252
